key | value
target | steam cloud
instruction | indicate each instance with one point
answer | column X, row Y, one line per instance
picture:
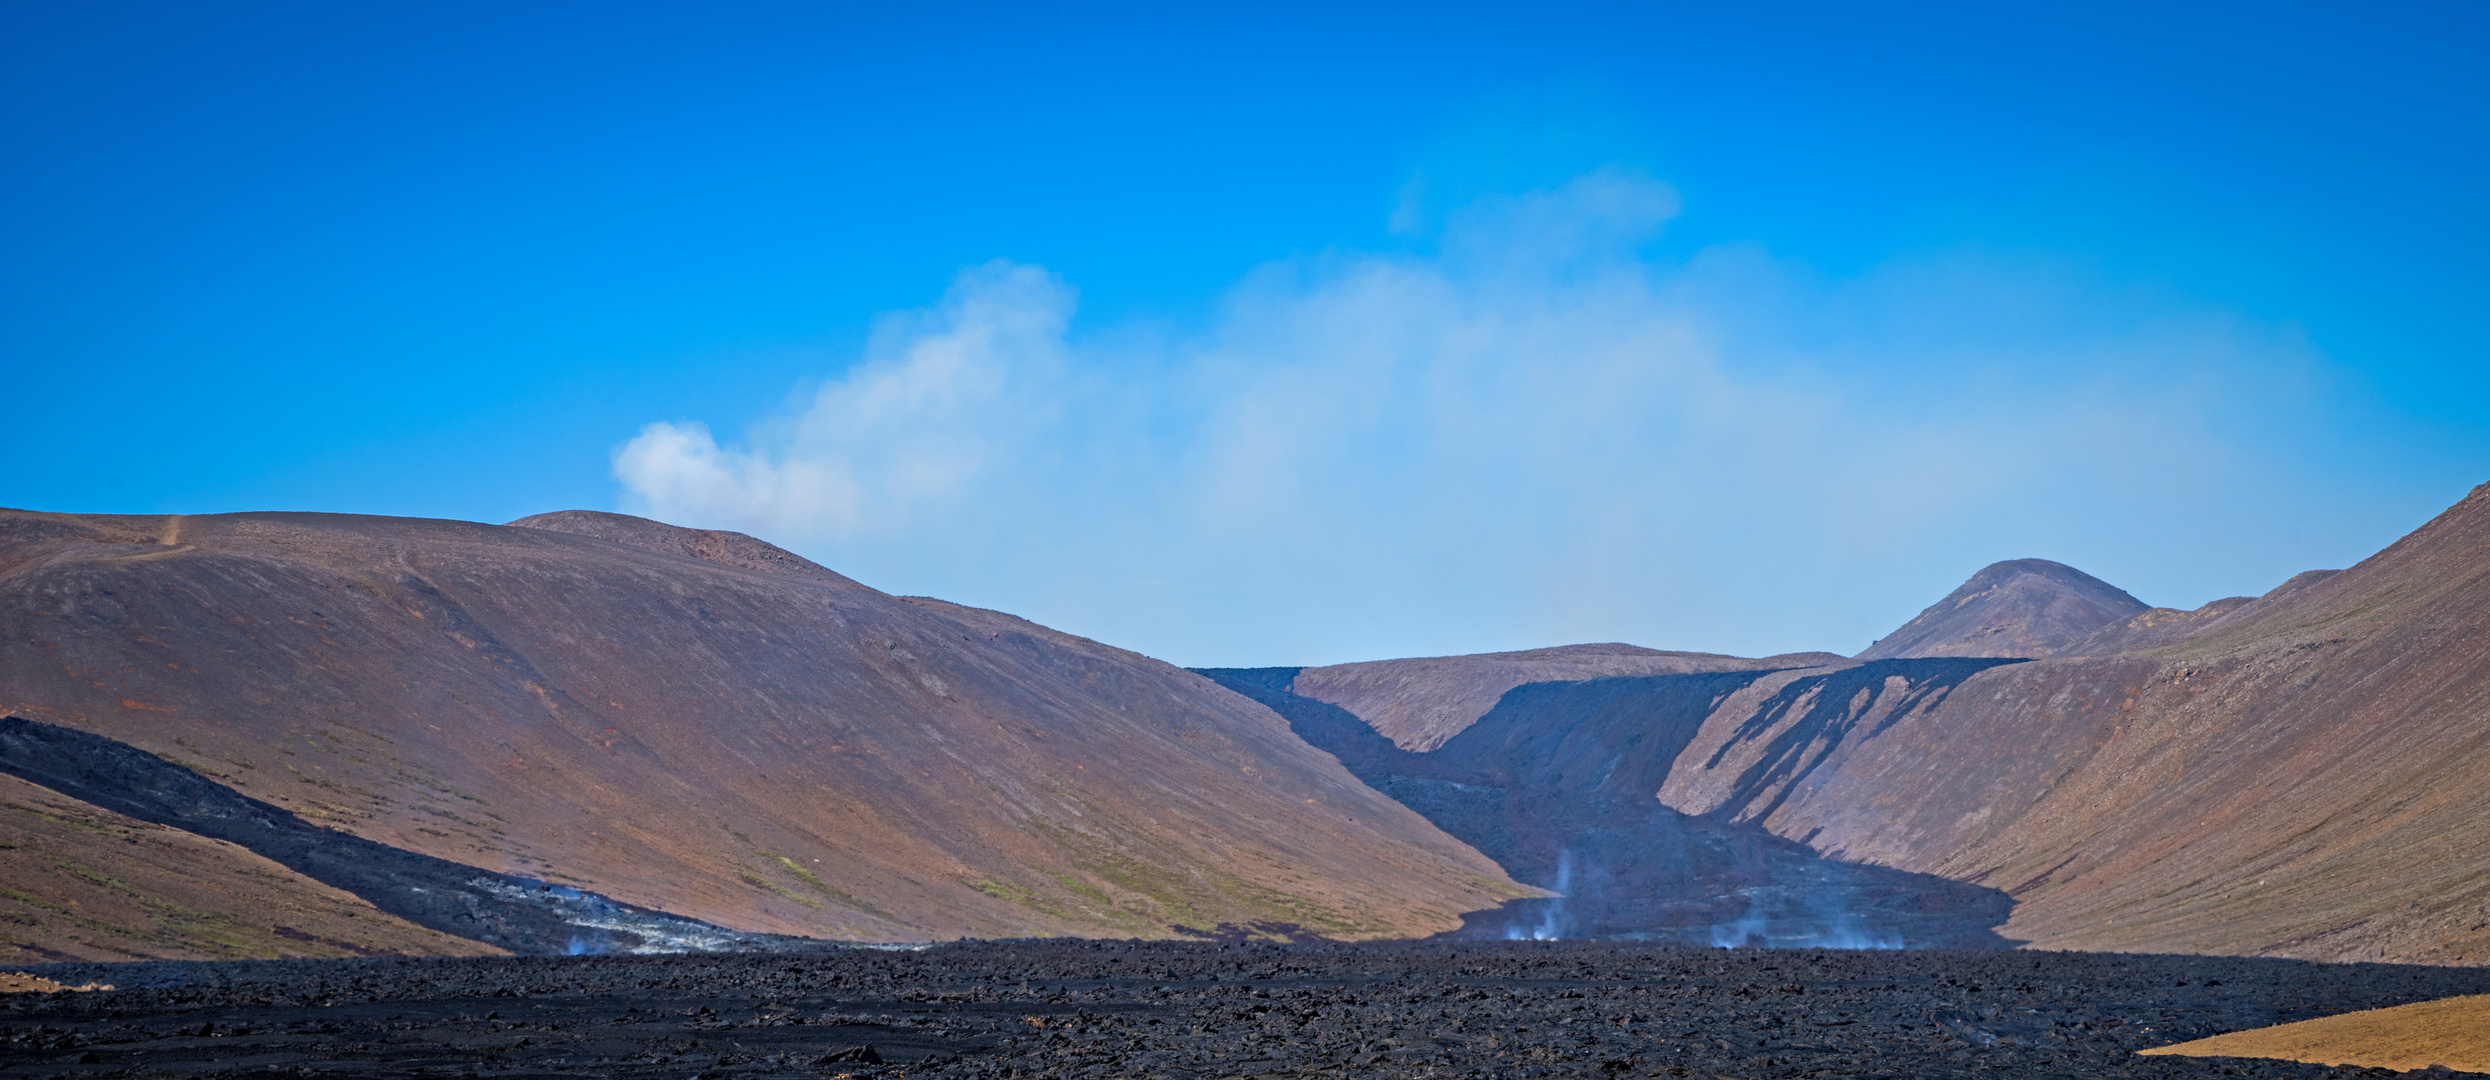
column 1535, row 434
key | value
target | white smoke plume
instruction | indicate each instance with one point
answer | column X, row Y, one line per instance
column 1538, row 435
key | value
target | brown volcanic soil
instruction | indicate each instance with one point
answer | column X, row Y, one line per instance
column 2023, row 607
column 2454, row 1033
column 1420, row 703
column 2302, row 775
column 702, row 724
column 1111, row 1009
column 79, row 882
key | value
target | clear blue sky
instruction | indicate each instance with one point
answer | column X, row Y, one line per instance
column 1322, row 333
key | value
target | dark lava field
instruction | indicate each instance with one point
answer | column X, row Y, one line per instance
column 1201, row 1009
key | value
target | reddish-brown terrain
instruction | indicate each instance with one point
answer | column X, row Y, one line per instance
column 2303, row 774
column 2022, row 607
column 687, row 721
column 1420, row 703
column 80, row 882
column 706, row 725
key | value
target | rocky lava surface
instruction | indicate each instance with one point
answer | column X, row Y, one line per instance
column 1162, row 1009
column 1556, row 784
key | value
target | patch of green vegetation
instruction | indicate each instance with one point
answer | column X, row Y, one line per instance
column 97, row 876
column 815, row 882
column 1267, row 904
column 31, row 900
column 1005, row 890
column 1160, row 894
column 759, row 882
column 1157, row 884
column 1083, row 889
column 80, row 824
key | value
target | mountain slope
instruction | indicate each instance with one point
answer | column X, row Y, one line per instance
column 80, row 882
column 2022, row 607
column 1420, row 703
column 2302, row 775
column 705, row 725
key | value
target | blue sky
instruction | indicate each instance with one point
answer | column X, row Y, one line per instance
column 1256, row 334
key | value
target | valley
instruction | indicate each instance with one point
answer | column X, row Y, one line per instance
column 590, row 732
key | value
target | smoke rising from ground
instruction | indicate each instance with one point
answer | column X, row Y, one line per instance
column 1535, row 434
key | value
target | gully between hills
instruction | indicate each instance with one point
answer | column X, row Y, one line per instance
column 263, row 735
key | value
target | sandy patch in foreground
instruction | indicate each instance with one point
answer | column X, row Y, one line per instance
column 2454, row 1032
column 18, row 982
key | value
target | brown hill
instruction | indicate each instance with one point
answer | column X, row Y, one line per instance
column 703, row 724
column 2023, row 607
column 2300, row 775
column 2297, row 774
column 1420, row 703
column 80, row 882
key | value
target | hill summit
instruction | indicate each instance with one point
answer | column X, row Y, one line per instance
column 2018, row 608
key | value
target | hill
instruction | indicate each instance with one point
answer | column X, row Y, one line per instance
column 81, row 882
column 2301, row 774
column 701, row 724
column 2022, row 608
column 1420, row 703
column 2297, row 774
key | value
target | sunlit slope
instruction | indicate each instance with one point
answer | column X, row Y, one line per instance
column 703, row 724
column 2019, row 608
column 2305, row 774
column 79, row 882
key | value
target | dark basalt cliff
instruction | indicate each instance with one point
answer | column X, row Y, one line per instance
column 702, row 724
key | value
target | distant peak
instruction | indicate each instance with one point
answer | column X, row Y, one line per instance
column 2019, row 607
column 1997, row 573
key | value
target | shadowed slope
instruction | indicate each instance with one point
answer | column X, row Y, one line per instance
column 1556, row 784
column 2301, row 775
column 2024, row 607
column 1419, row 703
column 702, row 724
column 506, row 913
column 80, row 882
